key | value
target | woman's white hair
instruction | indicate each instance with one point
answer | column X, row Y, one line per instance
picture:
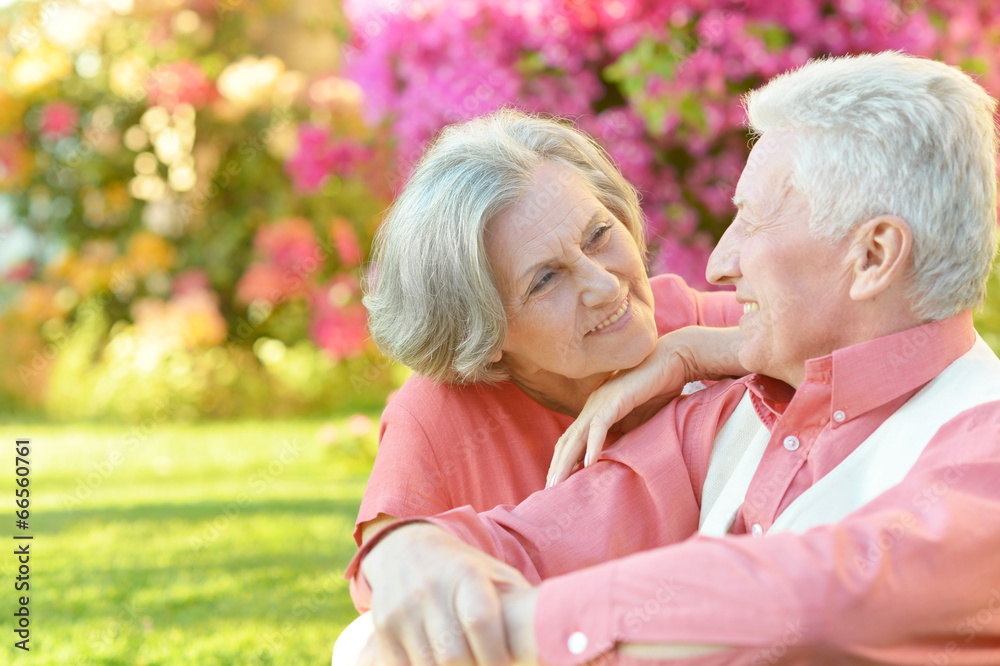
column 895, row 134
column 431, row 295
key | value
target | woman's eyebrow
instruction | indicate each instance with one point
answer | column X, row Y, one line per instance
column 598, row 216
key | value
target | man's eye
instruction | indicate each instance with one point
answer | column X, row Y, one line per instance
column 541, row 282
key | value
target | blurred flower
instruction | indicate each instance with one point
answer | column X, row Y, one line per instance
column 320, row 156
column 15, row 162
column 263, row 282
column 338, row 327
column 180, row 82
column 190, row 281
column 250, row 81
column 33, row 69
column 37, row 302
column 21, row 271
column 189, row 321
column 147, row 253
column 292, row 255
column 346, row 242
column 291, row 245
column 58, row 119
column 359, row 424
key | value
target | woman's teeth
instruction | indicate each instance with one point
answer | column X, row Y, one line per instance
column 750, row 307
column 613, row 318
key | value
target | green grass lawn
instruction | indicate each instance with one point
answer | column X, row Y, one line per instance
column 183, row 544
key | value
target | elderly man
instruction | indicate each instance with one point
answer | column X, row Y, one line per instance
column 848, row 491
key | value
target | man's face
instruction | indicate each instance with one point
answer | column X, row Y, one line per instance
column 793, row 286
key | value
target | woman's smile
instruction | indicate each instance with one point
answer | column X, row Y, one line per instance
column 617, row 316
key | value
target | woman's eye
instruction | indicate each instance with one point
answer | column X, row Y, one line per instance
column 541, row 282
column 600, row 234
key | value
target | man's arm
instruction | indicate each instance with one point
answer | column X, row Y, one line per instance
column 912, row 577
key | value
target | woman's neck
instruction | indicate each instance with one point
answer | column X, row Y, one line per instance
column 558, row 393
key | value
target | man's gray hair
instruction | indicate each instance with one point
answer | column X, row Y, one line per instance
column 432, row 298
column 896, row 134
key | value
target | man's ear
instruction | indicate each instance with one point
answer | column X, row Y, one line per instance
column 879, row 255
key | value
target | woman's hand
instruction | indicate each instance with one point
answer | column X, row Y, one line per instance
column 437, row 600
column 631, row 397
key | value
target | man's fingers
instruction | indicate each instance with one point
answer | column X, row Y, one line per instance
column 480, row 614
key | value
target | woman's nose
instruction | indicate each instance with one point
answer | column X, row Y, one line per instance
column 600, row 286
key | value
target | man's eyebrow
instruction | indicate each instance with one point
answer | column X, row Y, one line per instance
column 739, row 200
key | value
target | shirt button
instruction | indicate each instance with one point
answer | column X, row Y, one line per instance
column 791, row 442
column 839, row 416
column 757, row 530
column 577, row 642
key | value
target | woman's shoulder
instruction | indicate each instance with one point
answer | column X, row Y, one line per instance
column 426, row 400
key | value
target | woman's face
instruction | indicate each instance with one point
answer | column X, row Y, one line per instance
column 577, row 297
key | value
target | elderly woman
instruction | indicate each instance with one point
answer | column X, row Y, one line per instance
column 509, row 275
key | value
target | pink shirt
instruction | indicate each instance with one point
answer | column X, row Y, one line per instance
column 442, row 447
column 911, row 577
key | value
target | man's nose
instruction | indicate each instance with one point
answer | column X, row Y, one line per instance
column 724, row 262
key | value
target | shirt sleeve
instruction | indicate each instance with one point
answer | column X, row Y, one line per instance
column 590, row 517
column 677, row 305
column 406, row 478
column 912, row 577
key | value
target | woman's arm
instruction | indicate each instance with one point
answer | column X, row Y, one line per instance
column 631, row 397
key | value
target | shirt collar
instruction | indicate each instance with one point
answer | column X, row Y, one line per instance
column 870, row 374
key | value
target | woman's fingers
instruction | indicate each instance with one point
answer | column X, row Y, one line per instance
column 568, row 450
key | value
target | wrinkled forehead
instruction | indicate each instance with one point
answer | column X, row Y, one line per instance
column 551, row 213
column 768, row 177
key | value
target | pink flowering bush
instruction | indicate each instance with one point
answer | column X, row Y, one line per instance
column 656, row 82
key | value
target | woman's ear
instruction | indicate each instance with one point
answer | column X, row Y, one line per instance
column 879, row 255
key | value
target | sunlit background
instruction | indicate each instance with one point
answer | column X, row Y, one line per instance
column 188, row 193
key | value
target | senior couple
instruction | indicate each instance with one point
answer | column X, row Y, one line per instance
column 839, row 504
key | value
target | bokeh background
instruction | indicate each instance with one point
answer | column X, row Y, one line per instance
column 188, row 193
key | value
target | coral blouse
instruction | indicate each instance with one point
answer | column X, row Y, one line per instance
column 442, row 447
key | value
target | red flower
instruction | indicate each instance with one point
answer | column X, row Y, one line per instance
column 58, row 120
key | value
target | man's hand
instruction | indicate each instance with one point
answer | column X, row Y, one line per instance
column 631, row 397
column 437, row 600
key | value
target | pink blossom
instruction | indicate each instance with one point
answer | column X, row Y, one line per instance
column 346, row 242
column 179, row 82
column 190, row 281
column 319, row 156
column 337, row 326
column 58, row 120
column 290, row 245
column 263, row 281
